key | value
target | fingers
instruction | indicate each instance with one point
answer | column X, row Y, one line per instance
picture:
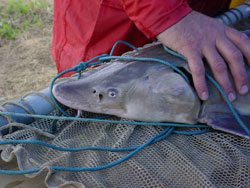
column 220, row 71
column 198, row 73
column 234, row 58
column 241, row 40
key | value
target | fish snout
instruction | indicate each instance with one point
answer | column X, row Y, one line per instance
column 98, row 94
column 102, row 95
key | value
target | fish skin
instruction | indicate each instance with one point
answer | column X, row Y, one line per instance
column 151, row 92
column 216, row 113
column 145, row 91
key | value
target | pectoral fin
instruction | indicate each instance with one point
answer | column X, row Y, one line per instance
column 227, row 123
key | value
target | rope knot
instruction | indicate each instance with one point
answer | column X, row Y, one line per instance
column 80, row 67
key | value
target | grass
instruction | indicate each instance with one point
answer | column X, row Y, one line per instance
column 17, row 16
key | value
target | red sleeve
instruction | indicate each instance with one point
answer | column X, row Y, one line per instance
column 154, row 16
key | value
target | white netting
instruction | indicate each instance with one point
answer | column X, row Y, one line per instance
column 213, row 159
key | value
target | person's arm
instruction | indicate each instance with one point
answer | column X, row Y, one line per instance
column 195, row 35
column 155, row 16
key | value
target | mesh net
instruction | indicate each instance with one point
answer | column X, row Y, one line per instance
column 214, row 159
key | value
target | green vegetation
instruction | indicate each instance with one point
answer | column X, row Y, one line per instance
column 17, row 16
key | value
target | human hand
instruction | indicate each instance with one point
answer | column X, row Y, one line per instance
column 197, row 36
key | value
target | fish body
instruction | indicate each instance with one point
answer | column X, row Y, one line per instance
column 151, row 92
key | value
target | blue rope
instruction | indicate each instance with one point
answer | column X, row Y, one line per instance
column 163, row 135
column 77, row 69
column 121, row 42
column 210, row 78
column 146, row 59
column 83, row 66
column 193, row 132
column 105, row 121
column 20, row 172
column 37, row 142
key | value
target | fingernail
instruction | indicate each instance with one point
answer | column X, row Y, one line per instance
column 244, row 89
column 231, row 97
column 204, row 96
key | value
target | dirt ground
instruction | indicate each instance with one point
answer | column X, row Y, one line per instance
column 26, row 64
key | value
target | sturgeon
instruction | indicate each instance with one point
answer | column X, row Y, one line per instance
column 151, row 92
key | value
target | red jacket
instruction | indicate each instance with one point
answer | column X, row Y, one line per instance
column 84, row 29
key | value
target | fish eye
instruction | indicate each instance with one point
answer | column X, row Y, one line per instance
column 112, row 92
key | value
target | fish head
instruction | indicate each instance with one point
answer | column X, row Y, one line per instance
column 143, row 91
column 104, row 91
